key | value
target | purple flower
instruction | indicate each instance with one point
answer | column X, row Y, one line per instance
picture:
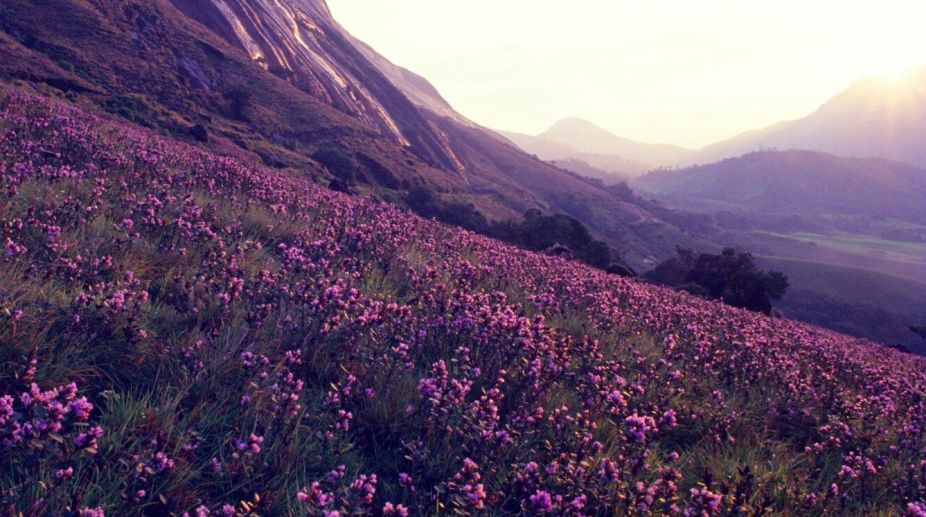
column 80, row 409
column 541, row 501
column 404, row 479
column 915, row 510
column 639, row 426
column 337, row 474
column 390, row 509
column 668, row 419
column 314, row 496
column 88, row 439
column 366, row 486
column 703, row 502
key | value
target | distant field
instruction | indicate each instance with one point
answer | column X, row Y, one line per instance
column 911, row 252
column 856, row 301
column 893, row 258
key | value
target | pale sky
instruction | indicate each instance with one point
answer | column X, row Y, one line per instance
column 688, row 72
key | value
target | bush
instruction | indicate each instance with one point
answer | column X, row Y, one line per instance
column 556, row 234
column 199, row 133
column 539, row 232
column 730, row 277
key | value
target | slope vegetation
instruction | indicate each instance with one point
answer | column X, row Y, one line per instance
column 189, row 333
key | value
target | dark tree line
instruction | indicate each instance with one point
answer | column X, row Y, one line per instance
column 730, row 277
column 555, row 234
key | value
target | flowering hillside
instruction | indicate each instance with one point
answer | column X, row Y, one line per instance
column 183, row 333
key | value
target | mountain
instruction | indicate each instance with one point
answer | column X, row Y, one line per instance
column 589, row 138
column 589, row 171
column 875, row 117
column 799, row 182
column 544, row 149
column 581, row 141
column 551, row 151
column 285, row 84
column 324, row 111
column 418, row 90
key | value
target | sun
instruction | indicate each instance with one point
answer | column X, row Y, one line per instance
column 894, row 69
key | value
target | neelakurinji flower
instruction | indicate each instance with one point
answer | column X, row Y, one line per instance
column 343, row 328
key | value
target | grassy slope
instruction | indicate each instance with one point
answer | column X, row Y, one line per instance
column 260, row 305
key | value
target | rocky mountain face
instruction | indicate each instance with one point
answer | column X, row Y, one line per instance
column 299, row 40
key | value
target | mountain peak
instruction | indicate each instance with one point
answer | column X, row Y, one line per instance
column 587, row 137
column 574, row 122
column 876, row 116
column 574, row 127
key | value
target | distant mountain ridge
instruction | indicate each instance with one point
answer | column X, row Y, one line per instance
column 799, row 182
column 589, row 138
column 574, row 139
column 876, row 117
column 551, row 151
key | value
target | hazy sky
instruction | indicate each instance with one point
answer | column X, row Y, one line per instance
column 688, row 72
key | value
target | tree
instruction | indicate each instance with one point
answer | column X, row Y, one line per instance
column 730, row 277
column 552, row 234
column 673, row 271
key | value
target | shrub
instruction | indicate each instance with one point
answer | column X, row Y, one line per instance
column 730, row 277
